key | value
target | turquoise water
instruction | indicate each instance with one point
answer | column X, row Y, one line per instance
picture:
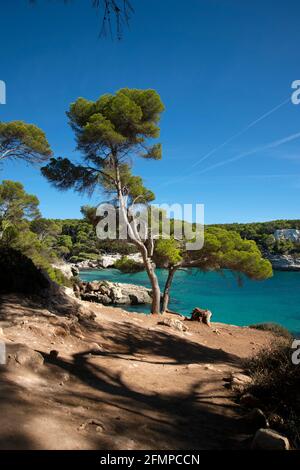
column 275, row 300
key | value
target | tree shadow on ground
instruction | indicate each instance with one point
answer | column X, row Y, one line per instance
column 163, row 420
column 135, row 341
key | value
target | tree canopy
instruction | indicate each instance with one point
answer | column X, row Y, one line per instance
column 22, row 141
column 222, row 249
column 16, row 204
column 110, row 132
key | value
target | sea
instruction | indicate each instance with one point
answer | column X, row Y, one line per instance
column 231, row 301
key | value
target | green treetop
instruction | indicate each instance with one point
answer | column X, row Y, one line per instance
column 222, row 249
column 22, row 141
column 110, row 132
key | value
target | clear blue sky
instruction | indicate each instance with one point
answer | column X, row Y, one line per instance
column 218, row 66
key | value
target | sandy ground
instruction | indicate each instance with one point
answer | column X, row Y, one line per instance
column 121, row 382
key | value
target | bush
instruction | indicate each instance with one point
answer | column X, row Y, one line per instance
column 19, row 274
column 276, row 382
column 57, row 276
column 275, row 328
column 126, row 265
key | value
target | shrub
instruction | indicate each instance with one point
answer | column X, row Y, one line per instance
column 126, row 265
column 275, row 328
column 57, row 276
column 276, row 382
column 19, row 274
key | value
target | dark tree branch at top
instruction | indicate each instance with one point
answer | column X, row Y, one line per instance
column 116, row 15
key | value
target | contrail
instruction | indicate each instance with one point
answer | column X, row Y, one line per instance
column 271, row 145
column 253, row 123
column 249, row 126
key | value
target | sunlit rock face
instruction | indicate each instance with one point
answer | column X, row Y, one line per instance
column 285, row 262
column 288, row 234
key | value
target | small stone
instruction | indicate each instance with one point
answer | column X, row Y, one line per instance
column 268, row 439
column 249, row 401
column 21, row 355
column 193, row 366
column 53, row 354
column 209, row 367
column 241, row 378
column 95, row 346
column 173, row 323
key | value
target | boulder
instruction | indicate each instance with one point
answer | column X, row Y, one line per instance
column 201, row 315
column 107, row 293
column 173, row 323
column 238, row 381
column 268, row 439
column 66, row 268
column 284, row 262
column 249, row 401
column 21, row 355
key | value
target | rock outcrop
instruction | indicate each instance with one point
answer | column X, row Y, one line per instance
column 21, row 355
column 114, row 293
column 106, row 261
column 268, row 439
column 174, row 323
column 68, row 270
column 284, row 262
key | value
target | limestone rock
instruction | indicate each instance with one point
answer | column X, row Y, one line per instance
column 116, row 293
column 173, row 323
column 67, row 269
column 249, row 401
column 239, row 381
column 284, row 262
column 21, row 355
column 268, row 439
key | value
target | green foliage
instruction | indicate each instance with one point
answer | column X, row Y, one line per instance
column 19, row 140
column 276, row 382
column 262, row 234
column 45, row 228
column 167, row 253
column 275, row 328
column 109, row 132
column 15, row 203
column 224, row 249
column 127, row 265
column 23, row 231
column 19, row 274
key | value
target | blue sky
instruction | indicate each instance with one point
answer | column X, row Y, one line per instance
column 219, row 67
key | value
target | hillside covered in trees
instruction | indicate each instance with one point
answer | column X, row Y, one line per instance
column 263, row 234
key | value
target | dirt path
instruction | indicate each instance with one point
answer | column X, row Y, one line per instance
column 121, row 382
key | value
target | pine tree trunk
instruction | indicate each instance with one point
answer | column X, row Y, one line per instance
column 150, row 269
column 155, row 307
column 166, row 295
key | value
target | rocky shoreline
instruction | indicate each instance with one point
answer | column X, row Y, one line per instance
column 279, row 263
column 113, row 293
column 284, row 262
column 105, row 261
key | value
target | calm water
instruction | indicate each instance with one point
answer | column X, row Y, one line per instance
column 275, row 300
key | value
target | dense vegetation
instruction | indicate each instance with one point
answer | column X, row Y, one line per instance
column 262, row 234
column 276, row 382
column 19, row 274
